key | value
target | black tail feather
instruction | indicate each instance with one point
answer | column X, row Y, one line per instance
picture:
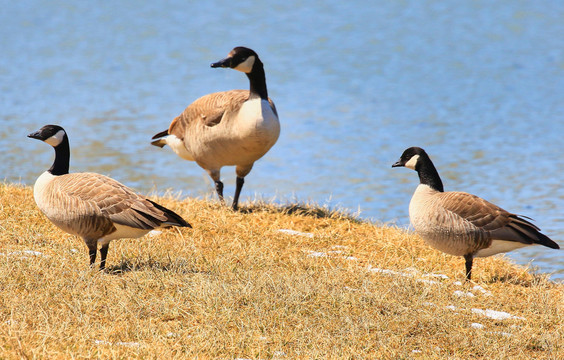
column 160, row 135
column 172, row 218
column 530, row 231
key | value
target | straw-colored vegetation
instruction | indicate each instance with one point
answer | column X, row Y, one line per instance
column 235, row 286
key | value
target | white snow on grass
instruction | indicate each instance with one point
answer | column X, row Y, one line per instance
column 294, row 232
column 482, row 290
column 476, row 326
column 463, row 293
column 440, row 276
column 316, row 254
column 496, row 315
column 117, row 343
column 23, row 254
column 331, row 253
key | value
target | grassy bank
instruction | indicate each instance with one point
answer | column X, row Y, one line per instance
column 242, row 285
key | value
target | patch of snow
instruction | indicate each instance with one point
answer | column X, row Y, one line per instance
column 476, row 326
column 440, row 276
column 459, row 283
column 316, row 254
column 482, row 290
column 154, row 233
column 23, row 254
column 496, row 315
column 294, row 232
column 425, row 281
column 118, row 343
column 416, row 351
column 462, row 293
column 502, row 333
column 335, row 252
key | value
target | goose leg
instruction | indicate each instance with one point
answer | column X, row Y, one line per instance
column 469, row 258
column 215, row 175
column 103, row 255
column 92, row 249
column 239, row 186
column 219, row 189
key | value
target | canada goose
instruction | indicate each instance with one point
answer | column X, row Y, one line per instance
column 93, row 206
column 462, row 224
column 234, row 127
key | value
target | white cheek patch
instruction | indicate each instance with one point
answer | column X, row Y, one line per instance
column 412, row 162
column 247, row 65
column 56, row 139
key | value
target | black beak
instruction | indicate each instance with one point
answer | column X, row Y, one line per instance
column 224, row 63
column 397, row 164
column 35, row 135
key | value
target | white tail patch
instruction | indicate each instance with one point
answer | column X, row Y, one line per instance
column 178, row 147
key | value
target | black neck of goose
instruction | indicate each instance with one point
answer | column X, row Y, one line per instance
column 257, row 79
column 428, row 174
column 62, row 158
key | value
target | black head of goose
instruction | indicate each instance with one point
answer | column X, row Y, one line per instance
column 93, row 206
column 229, row 128
column 462, row 224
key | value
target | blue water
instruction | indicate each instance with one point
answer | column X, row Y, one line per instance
column 478, row 84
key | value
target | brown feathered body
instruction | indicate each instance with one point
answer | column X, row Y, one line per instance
column 98, row 208
column 222, row 129
column 459, row 223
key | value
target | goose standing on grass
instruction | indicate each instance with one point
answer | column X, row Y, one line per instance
column 462, row 224
column 226, row 128
column 93, row 206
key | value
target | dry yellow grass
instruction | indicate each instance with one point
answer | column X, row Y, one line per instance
column 237, row 287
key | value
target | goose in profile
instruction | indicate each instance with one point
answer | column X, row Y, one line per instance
column 93, row 206
column 462, row 224
column 235, row 127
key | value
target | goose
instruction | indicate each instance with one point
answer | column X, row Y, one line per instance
column 93, row 206
column 235, row 127
column 463, row 224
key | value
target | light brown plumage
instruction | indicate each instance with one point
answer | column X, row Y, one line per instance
column 459, row 223
column 463, row 224
column 93, row 206
column 235, row 127
column 90, row 205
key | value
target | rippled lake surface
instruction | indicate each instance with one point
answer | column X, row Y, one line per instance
column 478, row 84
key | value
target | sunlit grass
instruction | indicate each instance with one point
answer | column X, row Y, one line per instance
column 235, row 286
